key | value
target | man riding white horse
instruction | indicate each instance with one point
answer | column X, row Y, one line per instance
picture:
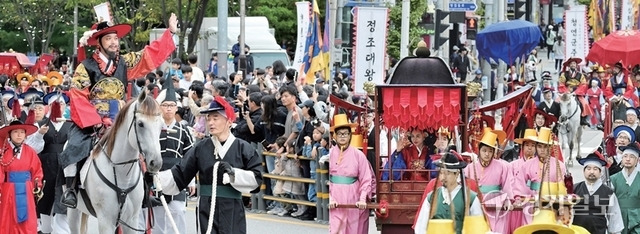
column 571, row 80
column 99, row 83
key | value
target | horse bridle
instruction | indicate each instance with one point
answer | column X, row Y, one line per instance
column 123, row 193
column 563, row 119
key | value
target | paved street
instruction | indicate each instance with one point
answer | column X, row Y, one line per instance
column 268, row 224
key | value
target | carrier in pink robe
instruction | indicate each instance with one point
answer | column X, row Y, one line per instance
column 518, row 218
column 351, row 181
column 494, row 183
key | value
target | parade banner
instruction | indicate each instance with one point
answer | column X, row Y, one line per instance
column 303, row 15
column 370, row 46
column 576, row 33
column 626, row 15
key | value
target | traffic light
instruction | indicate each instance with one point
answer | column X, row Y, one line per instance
column 521, row 9
column 440, row 28
column 472, row 27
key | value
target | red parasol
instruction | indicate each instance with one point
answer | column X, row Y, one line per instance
column 620, row 46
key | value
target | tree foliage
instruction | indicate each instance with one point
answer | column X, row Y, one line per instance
column 37, row 19
column 281, row 15
column 418, row 7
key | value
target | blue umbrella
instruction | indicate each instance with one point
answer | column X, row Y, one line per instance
column 508, row 40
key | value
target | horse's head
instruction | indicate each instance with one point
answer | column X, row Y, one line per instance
column 566, row 98
column 144, row 133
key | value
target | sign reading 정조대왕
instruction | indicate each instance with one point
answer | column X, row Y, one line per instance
column 370, row 46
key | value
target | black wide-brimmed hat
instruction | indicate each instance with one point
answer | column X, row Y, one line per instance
column 596, row 156
column 451, row 160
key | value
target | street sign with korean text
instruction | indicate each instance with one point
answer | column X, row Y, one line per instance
column 462, row 6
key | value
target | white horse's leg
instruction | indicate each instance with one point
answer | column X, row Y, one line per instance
column 133, row 207
column 73, row 218
column 107, row 225
column 579, row 141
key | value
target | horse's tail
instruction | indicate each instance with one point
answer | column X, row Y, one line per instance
column 83, row 222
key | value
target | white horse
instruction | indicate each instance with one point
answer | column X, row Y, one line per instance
column 114, row 181
column 569, row 127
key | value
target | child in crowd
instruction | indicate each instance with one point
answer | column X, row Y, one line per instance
column 279, row 170
column 295, row 189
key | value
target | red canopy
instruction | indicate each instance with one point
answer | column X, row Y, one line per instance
column 422, row 106
column 13, row 63
column 41, row 65
column 513, row 102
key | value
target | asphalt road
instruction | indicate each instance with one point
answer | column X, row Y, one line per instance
column 270, row 224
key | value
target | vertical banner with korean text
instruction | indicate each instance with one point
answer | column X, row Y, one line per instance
column 627, row 15
column 576, row 38
column 370, row 46
column 304, row 19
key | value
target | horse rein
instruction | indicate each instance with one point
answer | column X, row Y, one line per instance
column 123, row 193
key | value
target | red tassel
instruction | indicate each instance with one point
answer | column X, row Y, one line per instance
column 55, row 111
column 31, row 118
column 16, row 109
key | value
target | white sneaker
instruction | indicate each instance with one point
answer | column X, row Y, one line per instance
column 275, row 211
column 297, row 213
column 283, row 213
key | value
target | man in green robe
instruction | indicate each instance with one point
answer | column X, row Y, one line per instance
column 450, row 177
column 626, row 186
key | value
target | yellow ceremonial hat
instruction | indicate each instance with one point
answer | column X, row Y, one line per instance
column 341, row 120
column 441, row 226
column 529, row 135
column 545, row 137
column 24, row 76
column 544, row 220
column 356, row 141
column 493, row 137
column 53, row 78
column 475, row 225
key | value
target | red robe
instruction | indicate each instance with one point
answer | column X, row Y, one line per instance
column 151, row 57
column 415, row 162
column 29, row 163
column 594, row 103
column 629, row 93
